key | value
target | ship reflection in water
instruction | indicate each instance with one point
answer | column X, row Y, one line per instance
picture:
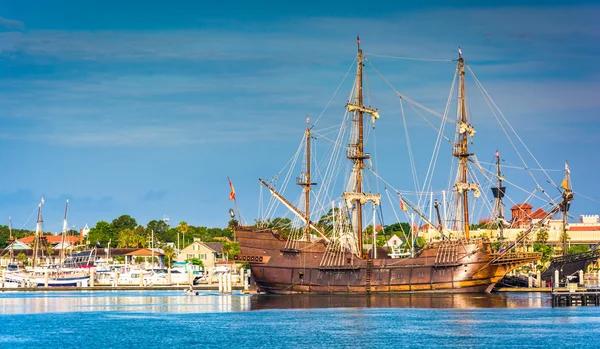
column 453, row 301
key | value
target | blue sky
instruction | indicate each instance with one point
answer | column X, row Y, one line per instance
column 145, row 108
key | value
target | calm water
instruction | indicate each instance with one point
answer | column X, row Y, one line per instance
column 171, row 319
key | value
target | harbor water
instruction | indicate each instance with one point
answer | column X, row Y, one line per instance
column 158, row 319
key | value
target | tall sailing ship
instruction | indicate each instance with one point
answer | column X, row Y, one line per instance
column 334, row 258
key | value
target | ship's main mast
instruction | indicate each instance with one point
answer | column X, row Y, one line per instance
column 461, row 148
column 356, row 151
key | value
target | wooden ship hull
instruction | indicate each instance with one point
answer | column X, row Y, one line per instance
column 447, row 266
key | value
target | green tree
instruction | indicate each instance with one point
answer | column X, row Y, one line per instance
column 542, row 236
column 183, row 228
column 169, row 253
column 102, row 233
column 578, row 249
column 126, row 238
column 231, row 249
column 546, row 250
column 123, row 222
column 140, row 237
column 195, row 261
column 21, row 257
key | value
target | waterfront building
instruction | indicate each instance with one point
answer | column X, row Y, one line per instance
column 208, row 252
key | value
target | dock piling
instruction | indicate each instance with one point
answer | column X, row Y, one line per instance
column 220, row 278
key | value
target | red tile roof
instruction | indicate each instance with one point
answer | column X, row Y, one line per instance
column 585, row 228
column 539, row 214
column 521, row 206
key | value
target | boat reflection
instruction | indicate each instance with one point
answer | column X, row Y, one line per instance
column 146, row 302
column 450, row 301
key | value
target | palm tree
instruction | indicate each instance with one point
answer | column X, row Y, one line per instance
column 169, row 253
column 183, row 228
column 125, row 238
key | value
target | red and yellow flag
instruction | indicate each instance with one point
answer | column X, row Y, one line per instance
column 402, row 206
column 232, row 194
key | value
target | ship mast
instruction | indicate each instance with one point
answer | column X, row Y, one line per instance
column 356, row 152
column 567, row 196
column 38, row 233
column 11, row 241
column 304, row 181
column 461, row 151
column 64, row 233
column 498, row 193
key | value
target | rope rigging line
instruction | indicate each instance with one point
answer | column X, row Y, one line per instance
column 587, row 197
column 31, row 215
column 409, row 58
column 336, row 91
column 437, row 147
column 522, row 168
column 489, row 100
column 409, row 148
column 531, row 194
column 410, row 101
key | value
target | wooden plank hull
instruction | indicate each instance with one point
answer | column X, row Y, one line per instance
column 277, row 269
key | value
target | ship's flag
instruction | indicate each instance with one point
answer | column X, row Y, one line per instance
column 42, row 201
column 565, row 182
column 232, row 194
column 358, row 39
column 497, row 154
column 459, row 51
column 402, row 206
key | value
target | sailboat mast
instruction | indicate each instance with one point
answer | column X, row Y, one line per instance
column 38, row 233
column 11, row 240
column 64, row 233
column 461, row 150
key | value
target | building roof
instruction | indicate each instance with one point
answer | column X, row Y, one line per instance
column 425, row 227
column 521, row 206
column 539, row 214
column 584, row 228
column 144, row 252
column 52, row 239
column 215, row 246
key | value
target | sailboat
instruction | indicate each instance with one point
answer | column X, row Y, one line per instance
column 316, row 260
column 50, row 275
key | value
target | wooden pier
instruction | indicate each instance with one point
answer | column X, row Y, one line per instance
column 578, row 297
